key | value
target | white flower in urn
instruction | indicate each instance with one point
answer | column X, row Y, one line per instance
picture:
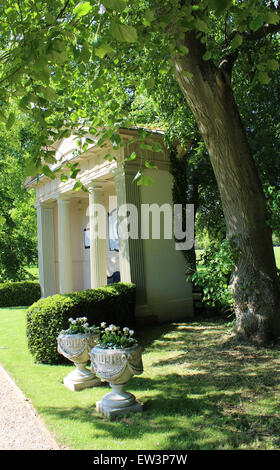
column 80, row 326
column 116, row 358
column 75, row 344
column 113, row 337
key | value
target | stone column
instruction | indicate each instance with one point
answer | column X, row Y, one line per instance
column 64, row 246
column 98, row 233
column 131, row 253
column 45, row 230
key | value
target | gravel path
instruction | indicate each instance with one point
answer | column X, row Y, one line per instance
column 20, row 426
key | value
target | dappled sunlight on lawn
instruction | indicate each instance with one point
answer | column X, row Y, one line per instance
column 200, row 389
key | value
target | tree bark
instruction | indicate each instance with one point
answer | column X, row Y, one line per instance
column 255, row 284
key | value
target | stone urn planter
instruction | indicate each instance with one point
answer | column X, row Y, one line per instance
column 117, row 366
column 75, row 347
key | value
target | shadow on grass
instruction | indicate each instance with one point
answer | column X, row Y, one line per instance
column 184, row 414
column 203, row 403
column 181, row 422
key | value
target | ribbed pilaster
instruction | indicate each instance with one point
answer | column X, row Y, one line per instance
column 97, row 221
column 45, row 229
column 131, row 250
column 64, row 246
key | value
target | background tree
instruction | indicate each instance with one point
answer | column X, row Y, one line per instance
column 18, row 239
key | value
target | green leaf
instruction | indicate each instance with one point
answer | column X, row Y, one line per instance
column 272, row 64
column 164, row 69
column 49, row 18
column 207, row 55
column 148, row 18
column 74, row 172
column 272, row 17
column 85, row 54
column 2, row 221
column 77, row 186
column 82, row 9
column 123, row 33
column 64, row 178
column 42, row 74
column 219, row 5
column 50, row 158
column 66, row 133
column 263, row 78
column 183, row 49
column 30, row 168
column 49, row 93
column 117, row 5
column 58, row 57
column 257, row 22
column 200, row 25
column 149, row 83
column 150, row 165
column 132, row 156
column 145, row 181
column 10, row 121
column 186, row 74
column 101, row 51
column 145, row 146
column 157, row 147
column 47, row 172
column 237, row 41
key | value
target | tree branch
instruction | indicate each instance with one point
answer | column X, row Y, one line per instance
column 262, row 32
column 62, row 10
column 11, row 74
column 226, row 65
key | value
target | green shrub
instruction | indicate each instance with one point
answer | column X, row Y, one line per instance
column 24, row 293
column 213, row 274
column 47, row 317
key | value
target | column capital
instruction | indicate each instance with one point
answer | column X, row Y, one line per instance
column 122, row 171
column 63, row 199
column 44, row 204
column 95, row 186
column 119, row 170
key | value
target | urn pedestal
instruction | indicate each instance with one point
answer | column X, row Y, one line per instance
column 117, row 366
column 76, row 348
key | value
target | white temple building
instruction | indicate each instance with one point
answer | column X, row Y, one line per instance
column 71, row 259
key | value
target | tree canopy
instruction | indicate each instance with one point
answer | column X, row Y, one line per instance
column 76, row 65
column 71, row 63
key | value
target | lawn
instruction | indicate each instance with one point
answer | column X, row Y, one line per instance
column 34, row 271
column 199, row 388
column 277, row 255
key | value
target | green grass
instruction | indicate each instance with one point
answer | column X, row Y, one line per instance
column 34, row 271
column 200, row 390
column 277, row 255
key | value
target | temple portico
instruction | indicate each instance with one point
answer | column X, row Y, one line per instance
column 73, row 258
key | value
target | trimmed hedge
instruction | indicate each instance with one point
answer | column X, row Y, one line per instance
column 23, row 293
column 47, row 317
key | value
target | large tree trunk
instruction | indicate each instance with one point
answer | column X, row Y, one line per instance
column 255, row 285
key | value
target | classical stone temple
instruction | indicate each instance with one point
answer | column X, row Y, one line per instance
column 70, row 259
